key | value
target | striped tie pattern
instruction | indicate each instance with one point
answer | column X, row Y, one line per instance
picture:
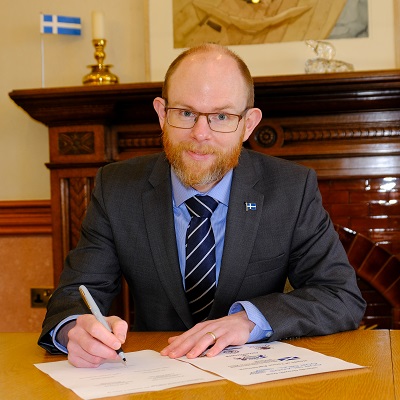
column 200, row 281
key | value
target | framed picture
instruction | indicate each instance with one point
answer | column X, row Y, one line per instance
column 378, row 51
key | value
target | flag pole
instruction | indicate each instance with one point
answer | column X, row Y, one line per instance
column 42, row 57
column 42, row 47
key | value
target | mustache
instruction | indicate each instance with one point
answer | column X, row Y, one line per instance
column 199, row 149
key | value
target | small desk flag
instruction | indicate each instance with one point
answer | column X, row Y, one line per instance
column 60, row 25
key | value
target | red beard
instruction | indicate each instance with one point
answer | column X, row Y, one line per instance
column 193, row 173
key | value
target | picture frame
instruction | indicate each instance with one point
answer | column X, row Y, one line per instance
column 379, row 51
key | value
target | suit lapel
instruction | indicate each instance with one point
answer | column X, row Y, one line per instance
column 240, row 234
column 158, row 214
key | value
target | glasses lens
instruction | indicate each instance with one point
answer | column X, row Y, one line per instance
column 221, row 122
column 181, row 118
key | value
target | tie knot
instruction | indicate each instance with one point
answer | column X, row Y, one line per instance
column 201, row 206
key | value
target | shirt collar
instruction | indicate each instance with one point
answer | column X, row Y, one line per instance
column 219, row 192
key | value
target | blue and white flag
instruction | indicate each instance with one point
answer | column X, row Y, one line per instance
column 60, row 25
column 251, row 206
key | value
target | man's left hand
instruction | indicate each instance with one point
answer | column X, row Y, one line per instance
column 234, row 329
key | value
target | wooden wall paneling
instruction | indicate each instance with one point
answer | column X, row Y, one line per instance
column 26, row 261
column 25, row 217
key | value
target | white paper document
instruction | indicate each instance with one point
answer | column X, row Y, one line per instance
column 146, row 371
column 264, row 362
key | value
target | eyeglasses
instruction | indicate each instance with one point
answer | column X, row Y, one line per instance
column 218, row 122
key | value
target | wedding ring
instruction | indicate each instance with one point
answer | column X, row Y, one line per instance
column 212, row 335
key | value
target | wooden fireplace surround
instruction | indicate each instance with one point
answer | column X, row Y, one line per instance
column 345, row 126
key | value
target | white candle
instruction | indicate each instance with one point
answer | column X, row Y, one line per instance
column 97, row 25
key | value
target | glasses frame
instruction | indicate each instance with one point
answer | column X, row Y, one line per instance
column 199, row 114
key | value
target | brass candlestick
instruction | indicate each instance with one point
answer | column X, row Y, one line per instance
column 100, row 74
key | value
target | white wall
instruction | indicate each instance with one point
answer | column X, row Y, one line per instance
column 373, row 53
column 24, row 142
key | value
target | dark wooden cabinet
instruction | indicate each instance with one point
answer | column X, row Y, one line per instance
column 345, row 126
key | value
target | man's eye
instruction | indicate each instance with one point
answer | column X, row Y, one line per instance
column 186, row 113
column 222, row 117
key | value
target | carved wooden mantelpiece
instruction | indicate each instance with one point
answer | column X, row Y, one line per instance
column 345, row 126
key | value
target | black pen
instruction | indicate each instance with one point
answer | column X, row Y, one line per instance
column 88, row 299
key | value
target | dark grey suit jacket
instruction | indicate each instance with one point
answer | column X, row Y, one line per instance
column 129, row 231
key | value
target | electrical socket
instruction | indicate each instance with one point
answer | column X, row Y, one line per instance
column 40, row 297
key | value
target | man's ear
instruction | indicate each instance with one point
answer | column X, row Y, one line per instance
column 252, row 119
column 159, row 106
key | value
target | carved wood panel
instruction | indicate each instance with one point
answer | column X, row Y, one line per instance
column 71, row 189
column 74, row 143
column 75, row 197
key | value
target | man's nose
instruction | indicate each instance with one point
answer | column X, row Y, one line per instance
column 201, row 129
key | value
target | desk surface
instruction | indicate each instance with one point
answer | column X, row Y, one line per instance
column 395, row 342
column 377, row 349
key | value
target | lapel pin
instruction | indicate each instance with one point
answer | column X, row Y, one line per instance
column 250, row 206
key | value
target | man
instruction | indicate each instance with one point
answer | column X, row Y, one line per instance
column 265, row 223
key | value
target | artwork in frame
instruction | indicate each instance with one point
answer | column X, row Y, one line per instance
column 377, row 51
column 242, row 22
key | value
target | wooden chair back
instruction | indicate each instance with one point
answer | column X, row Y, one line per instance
column 378, row 277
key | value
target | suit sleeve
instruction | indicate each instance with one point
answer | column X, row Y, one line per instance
column 326, row 298
column 93, row 262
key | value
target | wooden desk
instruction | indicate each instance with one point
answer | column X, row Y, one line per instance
column 395, row 344
column 379, row 350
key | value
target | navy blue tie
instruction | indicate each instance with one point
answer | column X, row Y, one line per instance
column 200, row 281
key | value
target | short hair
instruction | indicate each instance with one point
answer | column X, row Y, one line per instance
column 209, row 48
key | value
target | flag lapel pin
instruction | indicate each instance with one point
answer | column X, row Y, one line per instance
column 250, row 206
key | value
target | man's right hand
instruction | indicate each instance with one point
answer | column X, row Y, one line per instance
column 89, row 343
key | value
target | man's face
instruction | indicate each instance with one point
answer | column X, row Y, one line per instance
column 187, row 160
column 205, row 83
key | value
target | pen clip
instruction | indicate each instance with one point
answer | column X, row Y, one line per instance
column 83, row 294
